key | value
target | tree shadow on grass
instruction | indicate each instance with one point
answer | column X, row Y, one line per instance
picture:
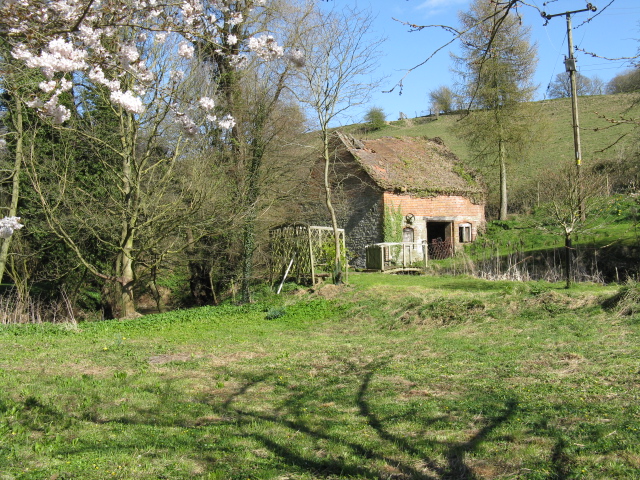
column 407, row 460
column 456, row 467
column 294, row 438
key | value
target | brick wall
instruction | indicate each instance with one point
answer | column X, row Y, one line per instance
column 443, row 208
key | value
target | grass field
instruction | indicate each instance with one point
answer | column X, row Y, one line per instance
column 390, row 377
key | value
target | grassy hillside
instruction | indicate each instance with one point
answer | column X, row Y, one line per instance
column 554, row 149
column 390, row 377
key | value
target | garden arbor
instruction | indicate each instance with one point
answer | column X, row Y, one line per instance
column 303, row 252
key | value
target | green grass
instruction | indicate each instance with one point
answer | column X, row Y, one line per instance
column 389, row 377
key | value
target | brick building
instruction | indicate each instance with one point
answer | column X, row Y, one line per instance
column 418, row 184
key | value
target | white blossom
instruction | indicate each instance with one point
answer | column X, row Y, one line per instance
column 90, row 43
column 296, row 57
column 58, row 113
column 8, row 225
column 20, row 52
column 235, row 19
column 185, row 50
column 49, row 86
column 239, row 61
column 60, row 56
column 227, row 122
column 90, row 36
column 129, row 54
column 207, row 103
column 35, row 103
column 188, row 125
column 176, row 75
column 144, row 74
column 128, row 101
column 96, row 75
column 65, row 85
column 266, row 47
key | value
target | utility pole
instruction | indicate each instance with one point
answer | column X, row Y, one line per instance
column 570, row 66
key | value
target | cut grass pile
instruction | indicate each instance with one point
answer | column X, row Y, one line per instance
column 395, row 377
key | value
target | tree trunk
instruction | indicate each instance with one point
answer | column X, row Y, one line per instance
column 337, row 262
column 200, row 271
column 124, row 296
column 15, row 181
column 124, row 263
column 248, row 247
column 248, row 231
column 568, row 256
column 503, row 182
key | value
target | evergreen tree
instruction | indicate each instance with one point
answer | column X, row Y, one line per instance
column 496, row 67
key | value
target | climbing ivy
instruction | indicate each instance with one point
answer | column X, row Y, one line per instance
column 393, row 223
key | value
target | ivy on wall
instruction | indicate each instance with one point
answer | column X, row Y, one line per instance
column 393, row 224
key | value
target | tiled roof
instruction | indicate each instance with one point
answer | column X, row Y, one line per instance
column 416, row 165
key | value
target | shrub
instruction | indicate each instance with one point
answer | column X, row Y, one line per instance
column 375, row 118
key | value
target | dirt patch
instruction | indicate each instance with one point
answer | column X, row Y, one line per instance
column 330, row 291
column 168, row 358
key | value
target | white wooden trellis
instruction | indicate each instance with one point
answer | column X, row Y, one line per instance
column 298, row 247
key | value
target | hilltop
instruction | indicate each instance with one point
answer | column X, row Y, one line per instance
column 601, row 140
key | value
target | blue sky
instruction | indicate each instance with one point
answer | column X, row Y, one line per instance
column 614, row 32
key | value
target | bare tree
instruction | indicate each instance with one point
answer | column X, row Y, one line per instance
column 560, row 87
column 339, row 57
column 567, row 197
column 253, row 85
column 625, row 82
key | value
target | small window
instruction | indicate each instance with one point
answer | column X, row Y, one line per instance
column 464, row 230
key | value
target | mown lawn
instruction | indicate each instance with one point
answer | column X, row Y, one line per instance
column 391, row 377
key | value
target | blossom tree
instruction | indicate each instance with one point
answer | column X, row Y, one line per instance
column 106, row 47
column 16, row 135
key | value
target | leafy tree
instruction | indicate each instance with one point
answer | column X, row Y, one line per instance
column 42, row 256
column 626, row 82
column 560, row 87
column 375, row 118
column 496, row 67
column 114, row 196
column 442, row 99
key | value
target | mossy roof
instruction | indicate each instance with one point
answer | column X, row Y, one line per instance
column 416, row 165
